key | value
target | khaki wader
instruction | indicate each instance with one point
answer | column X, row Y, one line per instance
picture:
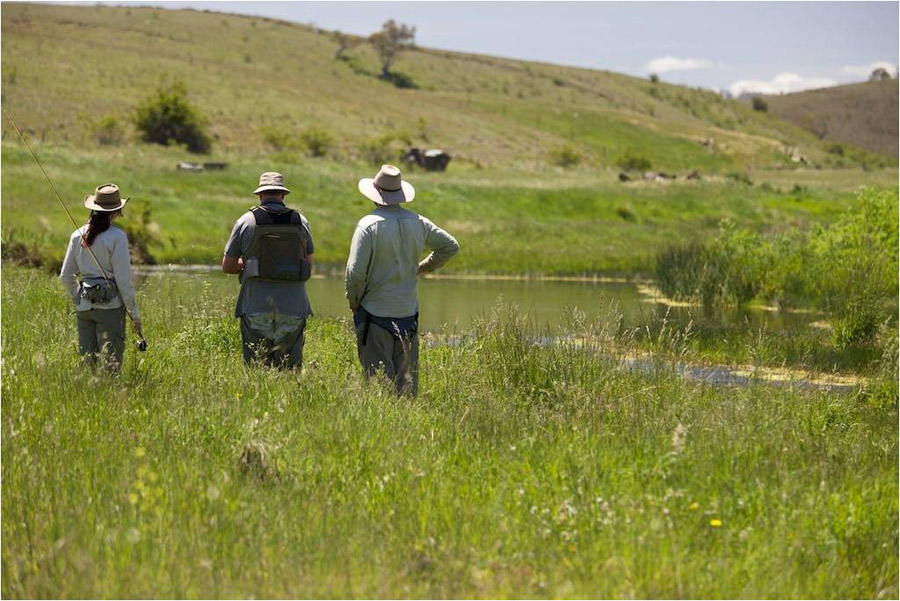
column 101, row 336
column 276, row 340
column 397, row 358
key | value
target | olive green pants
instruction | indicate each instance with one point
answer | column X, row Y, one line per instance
column 398, row 360
column 101, row 337
column 275, row 340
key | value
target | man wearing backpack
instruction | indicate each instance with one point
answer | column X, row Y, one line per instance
column 271, row 248
column 381, row 278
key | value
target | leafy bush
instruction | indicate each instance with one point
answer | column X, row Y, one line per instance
column 318, row 141
column 848, row 269
column 109, row 131
column 739, row 177
column 759, row 104
column 280, row 139
column 380, row 150
column 630, row 161
column 167, row 117
column 566, row 156
column 654, row 78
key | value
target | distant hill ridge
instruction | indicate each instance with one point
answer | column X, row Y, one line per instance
column 260, row 82
column 864, row 114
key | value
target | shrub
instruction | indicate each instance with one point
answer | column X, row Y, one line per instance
column 837, row 149
column 633, row 162
column 848, row 269
column 566, row 156
column 318, row 141
column 739, row 177
column 654, row 78
column 381, row 150
column 759, row 104
column 279, row 139
column 167, row 117
column 109, row 131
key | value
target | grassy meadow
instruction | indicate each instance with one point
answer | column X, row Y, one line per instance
column 520, row 471
column 582, row 224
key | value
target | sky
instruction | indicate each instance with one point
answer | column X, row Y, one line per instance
column 768, row 47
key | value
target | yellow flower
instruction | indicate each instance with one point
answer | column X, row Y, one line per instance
column 694, row 506
column 132, row 498
column 139, row 452
column 715, row 523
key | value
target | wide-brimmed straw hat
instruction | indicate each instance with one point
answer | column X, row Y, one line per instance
column 271, row 181
column 387, row 187
column 106, row 198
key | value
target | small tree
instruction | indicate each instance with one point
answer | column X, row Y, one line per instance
column 167, row 117
column 654, row 78
column 388, row 42
column 344, row 42
column 759, row 104
column 879, row 74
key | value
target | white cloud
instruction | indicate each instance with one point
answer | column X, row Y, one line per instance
column 665, row 64
column 781, row 83
column 863, row 71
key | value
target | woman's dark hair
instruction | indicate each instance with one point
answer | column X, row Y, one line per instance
column 97, row 224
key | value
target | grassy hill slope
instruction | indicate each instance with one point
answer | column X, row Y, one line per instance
column 252, row 75
column 864, row 114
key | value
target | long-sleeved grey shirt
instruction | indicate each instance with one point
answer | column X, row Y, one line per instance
column 384, row 260
column 111, row 250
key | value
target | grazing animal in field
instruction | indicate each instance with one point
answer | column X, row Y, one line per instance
column 185, row 166
column 431, row 160
column 623, row 177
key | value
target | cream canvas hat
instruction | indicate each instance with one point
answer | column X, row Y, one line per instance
column 387, row 187
column 271, row 181
column 106, row 198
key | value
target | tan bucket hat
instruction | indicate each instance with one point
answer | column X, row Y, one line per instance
column 271, row 181
column 106, row 198
column 387, row 187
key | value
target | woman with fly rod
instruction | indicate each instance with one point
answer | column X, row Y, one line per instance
column 98, row 255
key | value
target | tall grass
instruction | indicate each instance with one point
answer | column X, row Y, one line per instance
column 847, row 268
column 521, row 470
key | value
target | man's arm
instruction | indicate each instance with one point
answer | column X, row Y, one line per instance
column 232, row 265
column 232, row 261
column 357, row 274
column 442, row 245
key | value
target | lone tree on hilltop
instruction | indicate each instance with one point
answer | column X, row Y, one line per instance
column 880, row 74
column 759, row 104
column 388, row 42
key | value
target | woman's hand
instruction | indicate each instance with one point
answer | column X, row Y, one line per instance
column 137, row 327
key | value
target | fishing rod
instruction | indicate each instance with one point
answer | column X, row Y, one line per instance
column 142, row 343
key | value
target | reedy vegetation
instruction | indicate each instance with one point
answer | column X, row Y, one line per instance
column 847, row 268
column 519, row 471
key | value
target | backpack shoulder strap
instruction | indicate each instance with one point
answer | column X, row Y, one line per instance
column 262, row 216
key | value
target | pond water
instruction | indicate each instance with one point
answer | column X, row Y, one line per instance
column 452, row 304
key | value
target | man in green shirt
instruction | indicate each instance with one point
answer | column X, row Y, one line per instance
column 381, row 278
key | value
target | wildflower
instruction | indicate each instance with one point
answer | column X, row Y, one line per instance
column 715, row 523
column 139, row 452
column 694, row 506
column 132, row 498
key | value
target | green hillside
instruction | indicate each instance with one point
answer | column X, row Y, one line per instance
column 250, row 75
column 862, row 115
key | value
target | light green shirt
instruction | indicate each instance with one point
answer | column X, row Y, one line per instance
column 384, row 260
